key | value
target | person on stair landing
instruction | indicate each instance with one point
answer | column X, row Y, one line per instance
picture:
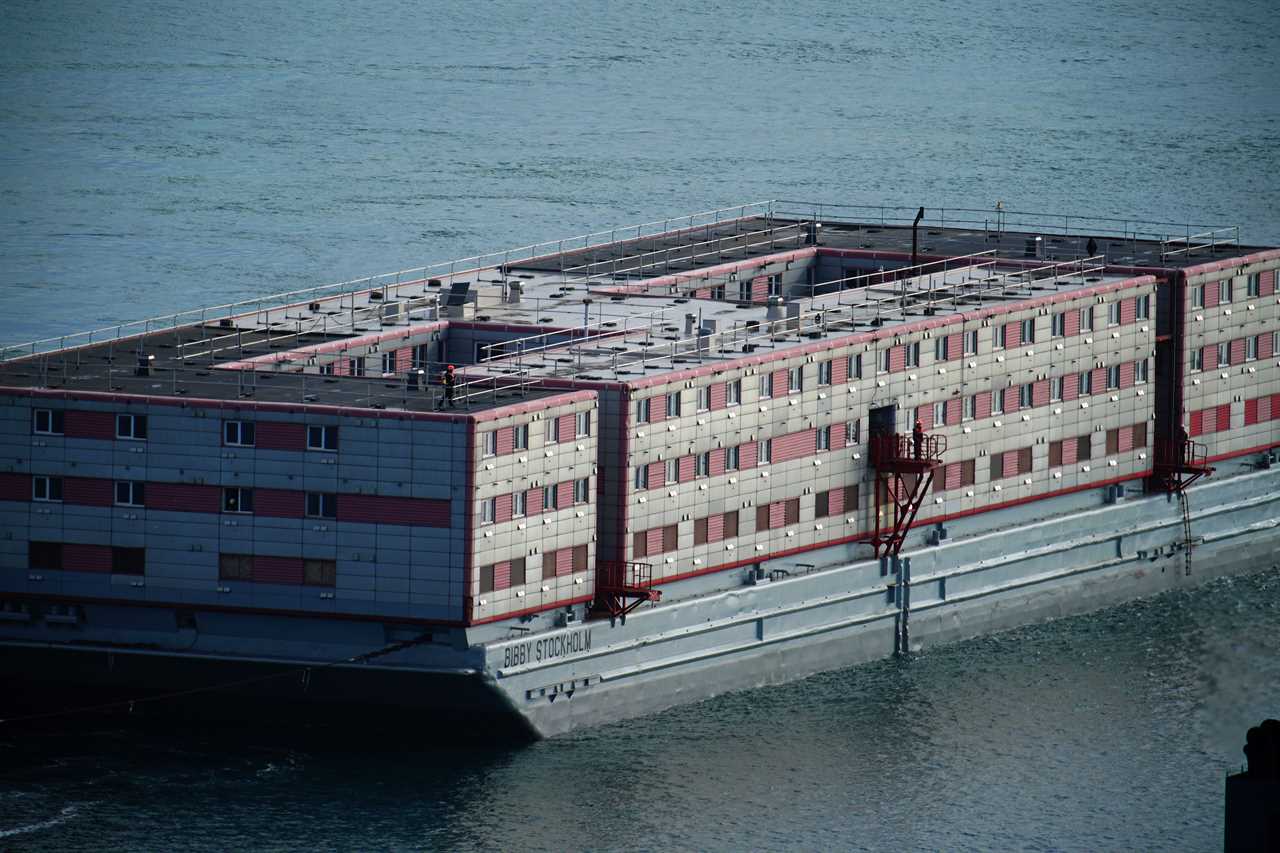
column 917, row 439
column 448, row 380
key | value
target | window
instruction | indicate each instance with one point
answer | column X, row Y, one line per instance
column 322, row 438
column 1142, row 307
column 322, row 505
column 1058, row 327
column 854, row 366
column 911, row 354
column 791, row 511
column 969, row 408
column 852, row 432
column 1251, row 348
column 1113, row 377
column 775, row 285
column 824, row 438
column 744, row 290
column 422, row 357
column 133, row 427
column 129, row 493
column 766, row 386
column 940, row 349
column 520, row 504
column 765, row 453
column 968, row 472
column 717, row 292
column 47, row 421
column 1028, row 331
column 550, row 497
column 673, row 470
column 673, row 404
column 1085, row 382
column 998, row 337
column 1224, row 354
column 45, row 556
column 325, row 369
column 551, row 430
column 940, row 414
column 1224, row 292
column 822, row 505
column 1253, row 287
column 731, row 524
column 1113, row 313
column 1197, row 296
column 238, row 433
column 319, row 572
column 1197, row 359
column 1141, row 371
column 1026, row 395
column 1113, row 442
column 549, row 564
column 1086, row 319
column 1084, row 447
column 128, row 561
column 486, row 578
column 732, row 458
column 46, row 489
column 733, row 392
column 795, row 380
column 824, row 373
column 997, row 401
column 519, row 571
column 235, row 567
column 642, row 411
column 702, row 464
column 389, row 362
column 700, row 536
column 1055, row 389
column 520, row 437
column 578, row 561
column 582, row 490
column 971, row 342
column 488, row 510
column 236, row 499
column 355, row 366
column 1140, row 435
column 1024, row 460
column 704, row 398
column 642, row 476
column 1055, row 454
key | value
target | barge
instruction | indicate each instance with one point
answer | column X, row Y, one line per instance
column 704, row 454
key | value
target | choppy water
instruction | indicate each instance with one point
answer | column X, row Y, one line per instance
column 155, row 156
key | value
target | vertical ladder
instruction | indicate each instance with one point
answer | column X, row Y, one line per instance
column 1188, row 543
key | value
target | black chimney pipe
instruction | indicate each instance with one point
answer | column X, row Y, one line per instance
column 914, row 235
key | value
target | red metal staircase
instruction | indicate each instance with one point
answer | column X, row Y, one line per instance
column 904, row 466
column 1178, row 463
column 622, row 587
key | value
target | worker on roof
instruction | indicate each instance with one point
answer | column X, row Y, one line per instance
column 448, row 379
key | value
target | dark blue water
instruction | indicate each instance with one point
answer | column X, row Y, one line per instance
column 155, row 156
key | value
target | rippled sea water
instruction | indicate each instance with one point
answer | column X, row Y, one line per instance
column 156, row 156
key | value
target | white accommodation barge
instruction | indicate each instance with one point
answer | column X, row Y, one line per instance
column 705, row 454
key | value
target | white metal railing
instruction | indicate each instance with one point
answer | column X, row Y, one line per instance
column 389, row 282
column 1210, row 240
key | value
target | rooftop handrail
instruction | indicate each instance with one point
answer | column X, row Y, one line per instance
column 614, row 271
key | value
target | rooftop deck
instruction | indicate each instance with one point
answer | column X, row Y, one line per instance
column 630, row 294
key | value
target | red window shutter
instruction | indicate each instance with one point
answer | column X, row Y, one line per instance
column 1128, row 310
column 717, row 462
column 274, row 435
column 760, row 288
column 1099, row 380
column 777, row 514
column 657, row 408
column 502, row 508
column 952, row 479
column 686, row 468
column 1125, row 440
column 715, row 527
column 1010, row 463
column 953, row 411
column 506, row 440
column 1070, row 448
column 955, row 346
column 1126, row 375
column 564, row 562
column 1222, row 422
column 654, row 541
column 1211, row 294
column 780, row 382
column 839, row 370
column 404, row 359
column 717, row 396
column 657, row 475
column 1040, row 393
column 1197, row 423
column 747, row 455
column 1012, row 335
column 566, row 427
column 982, row 405
column 86, row 558
column 533, row 502
column 277, row 569
column 1267, row 283
column 897, row 359
column 502, row 575
column 1266, row 345
column 564, row 494
column 1071, row 322
column 100, row 425
column 1237, row 351
column 837, row 436
column 1250, row 412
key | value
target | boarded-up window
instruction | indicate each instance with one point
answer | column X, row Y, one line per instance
column 45, row 556
column 325, row 572
column 670, row 535
column 518, row 571
column 639, row 544
column 486, row 578
column 1113, row 441
column 579, row 558
column 549, row 565
column 730, row 524
column 700, row 531
column 1084, row 447
column 128, row 561
column 851, row 499
column 235, row 567
column 821, row 505
column 792, row 511
column 1140, row 435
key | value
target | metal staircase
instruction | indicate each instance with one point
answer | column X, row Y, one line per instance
column 904, row 468
column 620, row 588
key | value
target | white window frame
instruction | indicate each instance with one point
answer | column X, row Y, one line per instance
column 702, row 464
column 46, row 489
column 642, row 477
column 322, row 505
column 997, row 402
column 551, row 432
column 1113, row 313
column 550, row 497
column 643, row 410
column 704, row 398
column 489, row 443
column 1225, row 291
column 582, row 424
column 911, row 355
column 969, row 408
column 240, row 495
column 1085, row 383
column 322, row 432
column 1026, row 395
column 852, row 432
column 582, row 490
column 766, row 386
column 732, row 458
column 970, row 339
column 854, row 366
column 1141, row 371
column 671, row 471
column 1197, row 359
column 1251, row 347
column 764, row 451
column 940, row 348
column 940, row 413
column 1086, row 318
column 673, row 404
column 823, row 441
column 488, row 510
column 733, row 392
column 1224, row 354
column 389, row 362
column 998, row 336
column 1058, row 325
column 1253, row 285
column 520, row 437
column 795, row 380
column 1142, row 307
column 128, row 427
column 1028, row 330
column 356, row 365
column 239, row 434
column 50, row 418
column 1197, row 296
column 129, row 493
column 824, row 373
column 1056, row 384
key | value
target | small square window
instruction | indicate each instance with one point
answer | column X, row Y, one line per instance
column 128, row 561
column 130, row 493
column 47, row 421
column 131, row 427
column 320, row 572
column 322, row 438
column 322, row 505
column 235, row 567
column 237, row 500
column 46, row 489
column 238, row 433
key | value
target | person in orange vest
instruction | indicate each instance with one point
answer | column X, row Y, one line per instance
column 917, row 438
column 447, row 379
